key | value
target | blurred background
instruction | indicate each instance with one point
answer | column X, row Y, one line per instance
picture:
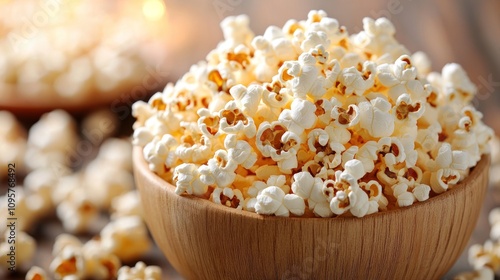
column 84, row 56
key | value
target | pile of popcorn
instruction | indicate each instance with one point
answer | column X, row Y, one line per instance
column 308, row 120
column 53, row 50
column 96, row 199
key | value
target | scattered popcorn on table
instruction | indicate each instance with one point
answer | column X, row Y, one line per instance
column 52, row 141
column 139, row 271
column 128, row 204
column 68, row 263
column 78, row 212
column 126, row 237
column 355, row 124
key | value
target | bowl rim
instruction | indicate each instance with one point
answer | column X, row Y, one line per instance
column 140, row 165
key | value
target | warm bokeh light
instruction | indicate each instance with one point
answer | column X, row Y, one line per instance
column 153, row 9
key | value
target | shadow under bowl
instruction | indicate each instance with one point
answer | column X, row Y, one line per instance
column 203, row 240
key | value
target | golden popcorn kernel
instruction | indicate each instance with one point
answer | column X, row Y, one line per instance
column 241, row 58
column 289, row 144
column 293, row 28
column 212, row 124
column 158, row 104
column 394, row 149
column 411, row 174
column 343, row 43
column 389, row 173
column 37, row 277
column 67, row 267
column 314, row 168
column 346, row 116
column 448, row 179
column 340, row 88
column 316, row 18
column 234, row 116
column 404, row 109
column 408, row 62
column 285, row 76
column 442, row 136
column 110, row 267
column 273, row 137
column 230, row 202
column 187, row 139
column 373, row 190
column 366, row 75
column 432, row 99
column 319, row 110
column 359, row 67
column 215, row 77
column 86, row 207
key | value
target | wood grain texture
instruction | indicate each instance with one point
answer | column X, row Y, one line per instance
column 203, row 240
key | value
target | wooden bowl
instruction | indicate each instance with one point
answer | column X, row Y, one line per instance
column 203, row 240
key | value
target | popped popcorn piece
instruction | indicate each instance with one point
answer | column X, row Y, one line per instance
column 51, row 140
column 126, row 237
column 233, row 121
column 311, row 189
column 240, row 151
column 484, row 273
column 376, row 118
column 29, row 207
column 219, row 170
column 78, row 213
column 105, row 181
column 345, row 117
column 343, row 194
column 247, row 99
column 36, row 273
column 358, row 81
column 484, row 256
column 456, row 83
column 139, row 271
column 275, row 141
column 99, row 264
column 299, row 117
column 65, row 240
column 68, row 264
column 99, row 125
column 41, row 182
column 401, row 77
column 118, row 152
column 187, row 179
column 228, row 197
column 25, row 248
column 273, row 200
column 128, row 204
column 160, row 154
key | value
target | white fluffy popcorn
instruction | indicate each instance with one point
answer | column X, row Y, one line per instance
column 139, row 271
column 311, row 121
column 36, row 273
column 52, row 140
column 126, row 237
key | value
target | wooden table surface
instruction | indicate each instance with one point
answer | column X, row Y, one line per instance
column 462, row 31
